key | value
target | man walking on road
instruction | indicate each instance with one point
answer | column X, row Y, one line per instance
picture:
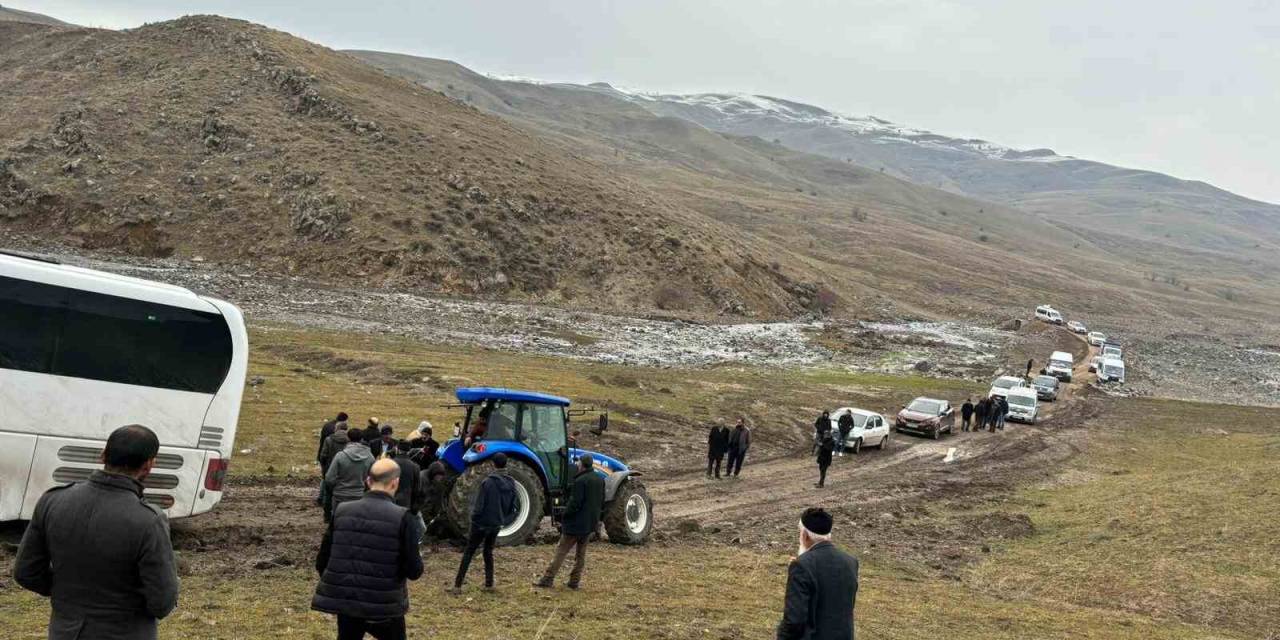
column 966, row 414
column 824, row 459
column 822, row 585
column 581, row 516
column 344, row 482
column 494, row 508
column 100, row 552
column 739, row 442
column 717, row 446
column 368, row 554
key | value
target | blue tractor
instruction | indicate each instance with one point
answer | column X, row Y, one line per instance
column 532, row 429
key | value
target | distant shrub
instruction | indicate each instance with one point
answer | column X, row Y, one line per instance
column 669, row 298
column 858, row 214
column 982, row 237
column 824, row 300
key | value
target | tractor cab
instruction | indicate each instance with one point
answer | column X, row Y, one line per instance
column 532, row 430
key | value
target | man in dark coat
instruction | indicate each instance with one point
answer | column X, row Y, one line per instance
column 844, row 425
column 821, row 427
column 982, row 412
column 435, row 489
column 1002, row 411
column 373, row 436
column 717, row 446
column 411, row 494
column 739, row 442
column 824, row 458
column 327, row 430
column 581, row 516
column 1030, row 364
column 100, row 552
column 337, row 441
column 822, row 585
column 368, row 554
column 966, row 414
column 494, row 508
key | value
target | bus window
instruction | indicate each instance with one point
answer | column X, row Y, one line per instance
column 29, row 324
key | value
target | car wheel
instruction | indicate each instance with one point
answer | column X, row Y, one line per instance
column 883, row 442
column 936, row 433
column 857, row 446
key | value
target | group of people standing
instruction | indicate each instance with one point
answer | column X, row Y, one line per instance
column 723, row 441
column 988, row 413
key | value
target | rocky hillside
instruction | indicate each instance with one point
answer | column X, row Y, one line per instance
column 8, row 14
column 212, row 137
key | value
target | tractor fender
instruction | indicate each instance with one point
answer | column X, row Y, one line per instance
column 615, row 480
column 485, row 449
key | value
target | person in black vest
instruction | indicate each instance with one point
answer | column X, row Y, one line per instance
column 99, row 551
column 717, row 446
column 581, row 517
column 368, row 554
column 966, row 414
column 326, row 430
column 494, row 508
column 824, row 459
column 822, row 585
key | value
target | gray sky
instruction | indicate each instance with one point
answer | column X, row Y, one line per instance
column 1186, row 87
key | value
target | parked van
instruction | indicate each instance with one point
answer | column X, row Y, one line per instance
column 1048, row 314
column 1112, row 351
column 1111, row 370
column 1061, row 366
column 1023, row 405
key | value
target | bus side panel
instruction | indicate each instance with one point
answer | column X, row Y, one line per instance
column 39, row 403
column 16, row 451
column 173, row 483
column 224, row 410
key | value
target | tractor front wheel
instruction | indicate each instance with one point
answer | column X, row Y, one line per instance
column 628, row 519
column 530, row 501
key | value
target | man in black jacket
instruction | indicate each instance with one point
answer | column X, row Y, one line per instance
column 411, row 494
column 717, row 446
column 824, row 459
column 581, row 516
column 844, row 425
column 367, row 555
column 821, row 428
column 326, row 430
column 966, row 414
column 100, row 552
column 822, row 585
column 373, row 437
column 739, row 442
column 494, row 508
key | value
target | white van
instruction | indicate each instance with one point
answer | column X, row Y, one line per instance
column 1048, row 314
column 1111, row 370
column 1023, row 405
column 1061, row 366
column 84, row 352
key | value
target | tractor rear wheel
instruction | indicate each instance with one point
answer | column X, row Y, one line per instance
column 628, row 519
column 530, row 501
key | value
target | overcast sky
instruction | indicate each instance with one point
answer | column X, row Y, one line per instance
column 1186, row 87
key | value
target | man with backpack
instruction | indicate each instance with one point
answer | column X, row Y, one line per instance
column 494, row 508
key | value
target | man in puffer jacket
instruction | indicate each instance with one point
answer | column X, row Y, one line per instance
column 368, row 554
column 344, row 481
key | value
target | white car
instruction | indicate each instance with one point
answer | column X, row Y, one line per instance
column 1061, row 366
column 1048, row 314
column 1077, row 327
column 1096, row 338
column 1003, row 384
column 1023, row 405
column 869, row 428
column 1111, row 351
column 1111, row 370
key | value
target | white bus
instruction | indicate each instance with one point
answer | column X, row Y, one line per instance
column 83, row 352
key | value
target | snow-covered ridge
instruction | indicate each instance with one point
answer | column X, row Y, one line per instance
column 738, row 106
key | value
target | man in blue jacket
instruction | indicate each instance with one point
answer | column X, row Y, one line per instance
column 822, row 585
column 581, row 516
column 494, row 508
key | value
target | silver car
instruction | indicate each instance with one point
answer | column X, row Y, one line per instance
column 1046, row 387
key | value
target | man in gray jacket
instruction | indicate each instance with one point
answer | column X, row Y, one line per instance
column 344, row 481
column 100, row 552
